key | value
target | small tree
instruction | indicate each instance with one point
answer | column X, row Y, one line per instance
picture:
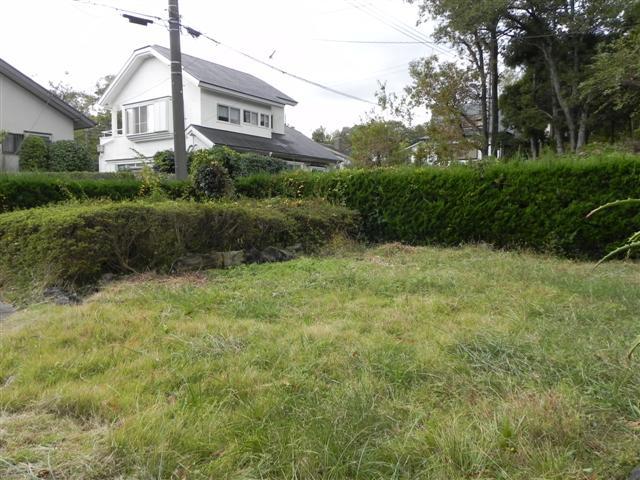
column 210, row 178
column 69, row 156
column 379, row 143
column 34, row 154
column 164, row 161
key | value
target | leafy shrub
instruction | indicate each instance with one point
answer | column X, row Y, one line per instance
column 164, row 161
column 69, row 156
column 247, row 164
column 34, row 154
column 210, row 178
column 29, row 190
column 537, row 205
column 73, row 245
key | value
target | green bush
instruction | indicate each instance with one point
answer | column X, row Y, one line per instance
column 73, row 245
column 536, row 205
column 69, row 156
column 34, row 154
column 210, row 178
column 164, row 161
column 30, row 190
column 247, row 164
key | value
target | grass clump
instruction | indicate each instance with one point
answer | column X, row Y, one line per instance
column 392, row 362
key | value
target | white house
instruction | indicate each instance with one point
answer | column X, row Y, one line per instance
column 27, row 108
column 223, row 106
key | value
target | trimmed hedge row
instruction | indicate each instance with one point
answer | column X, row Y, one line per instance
column 74, row 245
column 537, row 205
column 21, row 191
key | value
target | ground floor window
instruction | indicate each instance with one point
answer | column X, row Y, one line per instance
column 12, row 143
column 130, row 167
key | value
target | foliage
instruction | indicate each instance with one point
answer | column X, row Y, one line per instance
column 385, row 363
column 164, row 161
column 210, row 178
column 237, row 164
column 321, row 135
column 537, row 205
column 451, row 94
column 73, row 245
column 69, row 156
column 34, row 154
column 30, row 190
column 379, row 143
column 86, row 103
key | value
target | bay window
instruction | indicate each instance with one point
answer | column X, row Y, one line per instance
column 149, row 118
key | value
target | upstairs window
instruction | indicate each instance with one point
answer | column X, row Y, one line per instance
column 138, row 120
column 228, row 114
column 251, row 117
column 264, row 120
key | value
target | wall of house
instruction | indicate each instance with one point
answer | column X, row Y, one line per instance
column 21, row 111
column 210, row 101
column 278, row 119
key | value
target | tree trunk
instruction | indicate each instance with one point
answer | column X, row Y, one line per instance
column 493, row 72
column 582, row 132
column 555, row 126
column 483, row 101
column 557, row 89
column 534, row 149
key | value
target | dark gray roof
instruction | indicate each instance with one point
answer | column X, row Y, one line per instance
column 79, row 120
column 292, row 145
column 216, row 75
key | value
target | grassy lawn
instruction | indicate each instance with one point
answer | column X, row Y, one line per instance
column 391, row 362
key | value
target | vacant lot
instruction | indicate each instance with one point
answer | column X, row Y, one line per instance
column 391, row 362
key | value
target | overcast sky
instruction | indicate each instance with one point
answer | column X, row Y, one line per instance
column 65, row 40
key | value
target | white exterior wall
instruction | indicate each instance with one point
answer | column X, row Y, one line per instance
column 151, row 81
column 210, row 102
column 21, row 111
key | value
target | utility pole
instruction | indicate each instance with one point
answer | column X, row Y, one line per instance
column 179, row 142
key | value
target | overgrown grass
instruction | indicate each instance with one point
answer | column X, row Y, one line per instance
column 393, row 362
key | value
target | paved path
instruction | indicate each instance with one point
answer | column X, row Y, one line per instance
column 5, row 311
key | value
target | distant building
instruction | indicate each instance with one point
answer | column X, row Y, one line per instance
column 27, row 108
column 223, row 106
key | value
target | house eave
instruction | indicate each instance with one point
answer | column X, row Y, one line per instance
column 245, row 96
column 80, row 121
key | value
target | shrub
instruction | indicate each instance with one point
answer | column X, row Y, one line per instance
column 247, row 164
column 34, row 154
column 73, row 245
column 30, row 190
column 537, row 205
column 69, row 156
column 164, row 161
column 210, row 178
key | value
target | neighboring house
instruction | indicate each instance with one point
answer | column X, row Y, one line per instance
column 27, row 108
column 223, row 106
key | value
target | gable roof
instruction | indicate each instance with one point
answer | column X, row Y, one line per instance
column 215, row 75
column 292, row 145
column 79, row 120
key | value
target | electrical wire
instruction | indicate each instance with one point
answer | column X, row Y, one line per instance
column 398, row 26
column 197, row 34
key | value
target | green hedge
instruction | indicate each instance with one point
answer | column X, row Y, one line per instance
column 536, row 205
column 73, row 245
column 30, row 190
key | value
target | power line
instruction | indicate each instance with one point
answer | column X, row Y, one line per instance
column 398, row 26
column 197, row 34
column 121, row 10
column 284, row 72
column 373, row 42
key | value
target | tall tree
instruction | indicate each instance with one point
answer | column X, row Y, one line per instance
column 565, row 34
column 474, row 29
